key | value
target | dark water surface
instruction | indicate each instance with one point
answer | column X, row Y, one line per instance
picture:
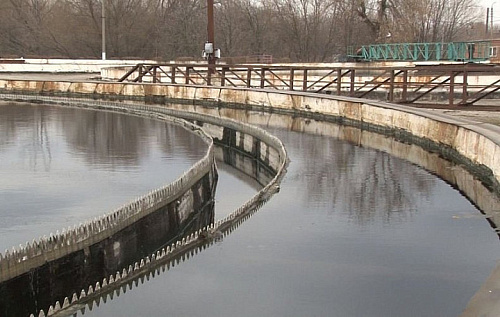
column 60, row 167
column 353, row 231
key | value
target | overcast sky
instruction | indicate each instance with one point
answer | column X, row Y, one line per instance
column 489, row 4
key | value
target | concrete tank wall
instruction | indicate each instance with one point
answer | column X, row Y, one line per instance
column 190, row 193
column 52, row 281
column 114, row 252
column 471, row 141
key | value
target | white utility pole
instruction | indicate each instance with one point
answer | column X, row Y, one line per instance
column 103, row 30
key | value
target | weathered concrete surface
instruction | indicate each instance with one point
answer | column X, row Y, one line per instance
column 457, row 175
column 36, row 290
column 476, row 142
column 63, row 65
column 486, row 302
column 264, row 150
column 89, row 248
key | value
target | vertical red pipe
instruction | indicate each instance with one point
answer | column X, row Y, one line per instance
column 211, row 35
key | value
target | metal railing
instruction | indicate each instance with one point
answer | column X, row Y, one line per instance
column 406, row 85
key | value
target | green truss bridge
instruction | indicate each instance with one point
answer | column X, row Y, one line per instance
column 475, row 51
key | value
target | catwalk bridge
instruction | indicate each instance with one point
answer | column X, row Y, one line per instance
column 458, row 84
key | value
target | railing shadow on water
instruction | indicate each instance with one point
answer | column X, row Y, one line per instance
column 200, row 231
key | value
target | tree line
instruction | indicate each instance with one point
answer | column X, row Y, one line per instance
column 293, row 30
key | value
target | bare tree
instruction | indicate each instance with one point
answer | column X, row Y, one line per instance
column 229, row 28
column 374, row 13
column 416, row 20
column 129, row 27
column 182, row 27
column 24, row 23
column 299, row 30
column 257, row 22
column 306, row 27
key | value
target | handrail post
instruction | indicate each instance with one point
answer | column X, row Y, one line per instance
column 339, row 81
column 292, row 75
column 187, row 74
column 404, row 95
column 155, row 80
column 353, row 79
column 139, row 78
column 249, row 77
column 452, row 88
column 465, row 84
column 304, row 80
column 391, row 86
column 223, row 76
column 262, row 77
column 172, row 71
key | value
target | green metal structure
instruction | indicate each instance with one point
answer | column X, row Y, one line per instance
column 475, row 51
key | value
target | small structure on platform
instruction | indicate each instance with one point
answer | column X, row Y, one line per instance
column 495, row 51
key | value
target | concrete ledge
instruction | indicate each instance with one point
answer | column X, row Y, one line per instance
column 478, row 143
column 19, row 261
column 31, row 65
column 274, row 160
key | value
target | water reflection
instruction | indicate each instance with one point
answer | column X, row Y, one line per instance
column 401, row 190
column 363, row 177
column 70, row 165
column 99, row 137
column 107, row 139
column 36, row 142
column 369, row 185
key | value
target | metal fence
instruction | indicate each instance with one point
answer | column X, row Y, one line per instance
column 459, row 84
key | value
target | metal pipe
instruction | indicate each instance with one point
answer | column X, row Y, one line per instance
column 211, row 34
column 487, row 21
column 491, row 19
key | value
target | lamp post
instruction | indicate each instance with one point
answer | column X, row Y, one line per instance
column 103, row 30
